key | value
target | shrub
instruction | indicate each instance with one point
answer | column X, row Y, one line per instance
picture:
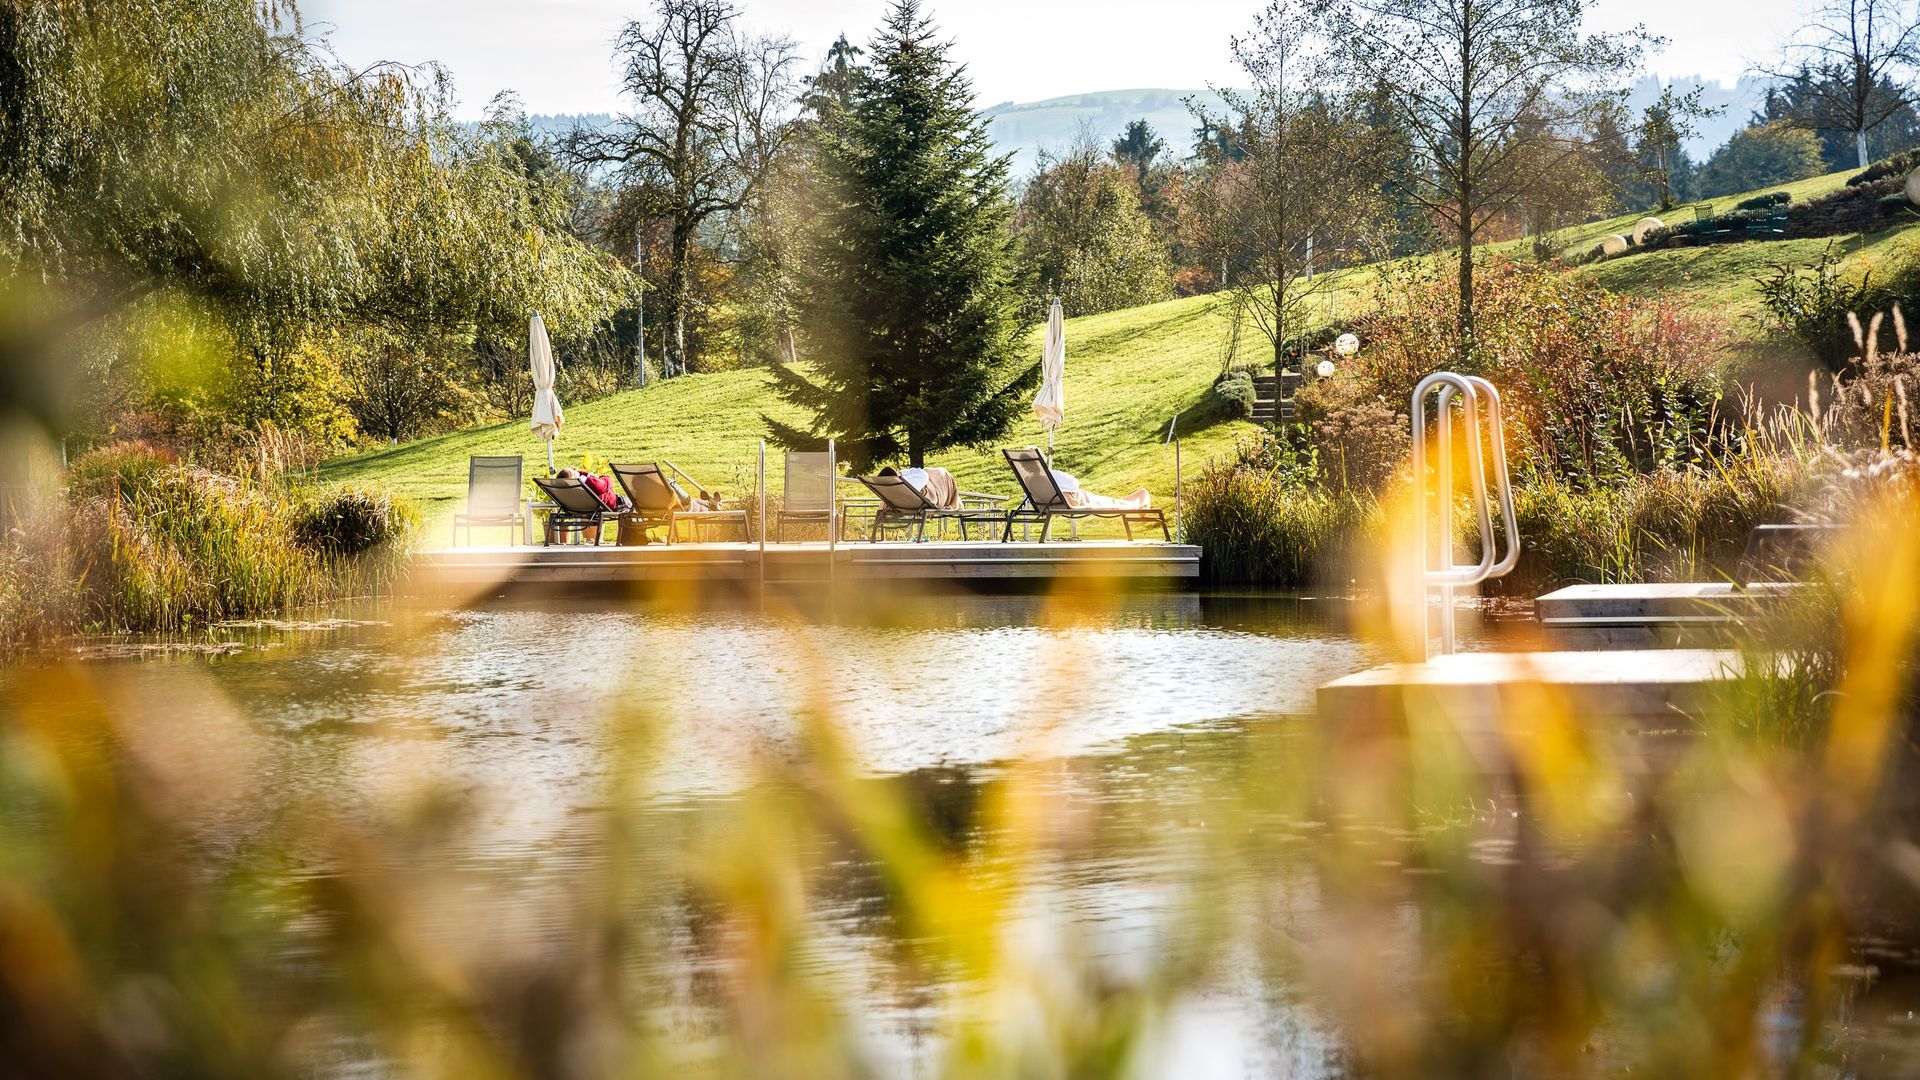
column 1669, row 525
column 141, row 542
column 349, row 521
column 1898, row 165
column 1261, row 529
column 40, row 594
column 364, row 537
column 1808, row 303
column 1765, row 202
column 1597, row 386
column 127, row 469
column 1359, row 442
column 1233, row 394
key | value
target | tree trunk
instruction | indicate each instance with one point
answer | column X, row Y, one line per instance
column 677, row 291
column 1279, row 336
column 679, row 342
column 1860, row 146
column 916, row 453
column 1465, row 323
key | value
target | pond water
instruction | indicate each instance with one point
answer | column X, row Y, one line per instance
column 777, row 805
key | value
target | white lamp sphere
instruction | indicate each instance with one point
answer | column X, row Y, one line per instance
column 1325, row 369
column 1346, row 344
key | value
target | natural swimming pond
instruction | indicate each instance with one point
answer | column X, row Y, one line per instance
column 903, row 835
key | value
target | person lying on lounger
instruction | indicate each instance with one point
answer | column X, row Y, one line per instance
column 936, row 484
column 601, row 486
column 1139, row 499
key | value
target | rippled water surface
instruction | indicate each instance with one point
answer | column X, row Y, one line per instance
column 1155, row 734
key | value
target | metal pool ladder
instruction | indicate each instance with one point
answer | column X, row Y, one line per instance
column 1438, row 570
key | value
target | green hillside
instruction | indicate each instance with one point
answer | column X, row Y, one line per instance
column 1128, row 373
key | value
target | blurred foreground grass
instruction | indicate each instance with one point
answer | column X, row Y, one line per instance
column 184, row 891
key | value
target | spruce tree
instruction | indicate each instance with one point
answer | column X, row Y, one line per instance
column 912, row 304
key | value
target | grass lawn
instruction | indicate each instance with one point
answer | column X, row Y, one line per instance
column 1721, row 277
column 1128, row 373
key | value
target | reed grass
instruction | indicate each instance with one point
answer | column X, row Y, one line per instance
column 139, row 542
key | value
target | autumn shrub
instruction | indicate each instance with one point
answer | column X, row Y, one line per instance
column 1359, row 443
column 1261, row 520
column 1596, row 386
column 1668, row 525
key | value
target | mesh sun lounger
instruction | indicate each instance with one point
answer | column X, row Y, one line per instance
column 657, row 500
column 577, row 507
column 494, row 498
column 807, row 495
column 903, row 504
column 1045, row 500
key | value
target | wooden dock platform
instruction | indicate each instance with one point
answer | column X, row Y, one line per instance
column 1690, row 614
column 815, row 563
column 1479, row 690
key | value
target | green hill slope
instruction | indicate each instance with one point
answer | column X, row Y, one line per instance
column 1128, row 373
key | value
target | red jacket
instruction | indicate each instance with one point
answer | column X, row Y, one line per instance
column 602, row 488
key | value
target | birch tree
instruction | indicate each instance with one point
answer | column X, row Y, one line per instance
column 1856, row 59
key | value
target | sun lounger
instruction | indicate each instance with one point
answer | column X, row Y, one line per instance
column 808, row 494
column 658, row 501
column 494, row 498
column 1045, row 500
column 576, row 508
column 903, row 504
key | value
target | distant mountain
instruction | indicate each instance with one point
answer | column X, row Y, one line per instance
column 1737, row 104
column 555, row 125
column 1026, row 128
column 1058, row 123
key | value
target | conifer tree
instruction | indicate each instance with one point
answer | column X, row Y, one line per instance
column 912, row 304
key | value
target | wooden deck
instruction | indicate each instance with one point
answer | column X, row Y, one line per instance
column 1480, row 689
column 1641, row 616
column 811, row 563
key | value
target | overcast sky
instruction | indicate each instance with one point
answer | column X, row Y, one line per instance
column 557, row 53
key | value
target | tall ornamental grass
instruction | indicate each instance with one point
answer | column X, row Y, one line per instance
column 1259, row 529
column 143, row 542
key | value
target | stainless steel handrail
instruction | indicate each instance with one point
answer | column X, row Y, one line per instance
column 1476, row 395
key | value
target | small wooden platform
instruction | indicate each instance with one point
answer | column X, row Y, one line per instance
column 1668, row 615
column 1479, row 689
column 809, row 563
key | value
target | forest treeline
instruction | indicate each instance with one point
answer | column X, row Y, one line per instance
column 221, row 238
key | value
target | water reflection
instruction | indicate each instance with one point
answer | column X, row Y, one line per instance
column 571, row 814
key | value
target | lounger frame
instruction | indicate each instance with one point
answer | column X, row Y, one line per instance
column 656, row 501
column 1045, row 501
column 903, row 504
column 575, row 507
column 495, row 497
